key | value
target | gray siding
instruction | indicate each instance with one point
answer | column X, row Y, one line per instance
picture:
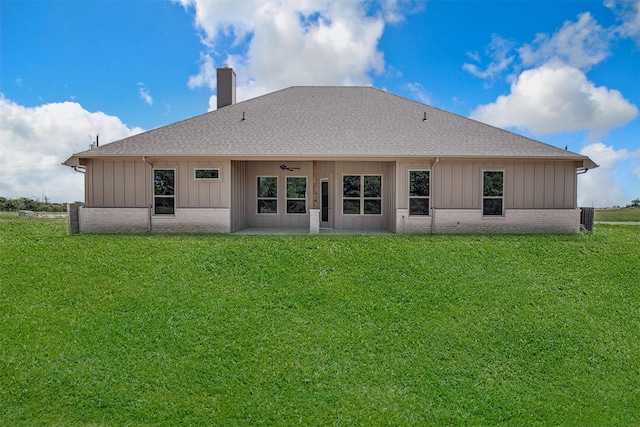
column 457, row 184
column 386, row 221
column 239, row 199
column 244, row 207
column 282, row 219
column 127, row 183
column 117, row 183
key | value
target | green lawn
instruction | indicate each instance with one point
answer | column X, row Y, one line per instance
column 630, row 214
column 317, row 330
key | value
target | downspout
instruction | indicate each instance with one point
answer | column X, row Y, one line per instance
column 433, row 211
column 144, row 159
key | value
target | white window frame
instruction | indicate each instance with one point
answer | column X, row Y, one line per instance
column 172, row 196
column 258, row 198
column 361, row 198
column 418, row 197
column 287, row 198
column 206, row 168
column 483, row 197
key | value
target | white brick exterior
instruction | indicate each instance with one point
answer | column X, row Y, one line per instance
column 136, row 220
column 406, row 224
column 471, row 221
column 314, row 221
column 113, row 220
column 195, row 220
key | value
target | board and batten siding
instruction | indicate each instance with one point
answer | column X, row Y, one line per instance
column 386, row 221
column 257, row 169
column 544, row 185
column 457, row 184
column 128, row 183
column 117, row 183
column 239, row 199
column 192, row 193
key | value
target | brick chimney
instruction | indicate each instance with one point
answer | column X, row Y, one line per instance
column 226, row 87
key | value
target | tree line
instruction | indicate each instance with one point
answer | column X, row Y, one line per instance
column 23, row 203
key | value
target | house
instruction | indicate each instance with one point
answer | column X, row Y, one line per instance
column 342, row 158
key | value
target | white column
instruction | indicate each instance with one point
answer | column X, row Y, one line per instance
column 314, row 221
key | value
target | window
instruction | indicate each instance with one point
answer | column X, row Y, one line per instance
column 362, row 194
column 492, row 193
column 418, row 192
column 351, row 194
column 207, row 173
column 267, row 195
column 296, row 195
column 164, row 195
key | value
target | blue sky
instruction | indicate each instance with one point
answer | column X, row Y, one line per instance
column 562, row 72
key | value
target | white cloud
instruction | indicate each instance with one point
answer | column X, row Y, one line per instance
column 34, row 141
column 629, row 13
column 601, row 187
column 605, row 156
column 581, row 44
column 556, row 98
column 289, row 43
column 213, row 103
column 206, row 76
column 229, row 17
column 419, row 93
column 500, row 51
column 144, row 94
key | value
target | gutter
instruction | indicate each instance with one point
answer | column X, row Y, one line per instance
column 76, row 167
column 586, row 165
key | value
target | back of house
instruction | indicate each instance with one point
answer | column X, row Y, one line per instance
column 328, row 158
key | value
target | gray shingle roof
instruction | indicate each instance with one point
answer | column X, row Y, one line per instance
column 327, row 122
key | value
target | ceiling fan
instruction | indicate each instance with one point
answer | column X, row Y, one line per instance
column 287, row 168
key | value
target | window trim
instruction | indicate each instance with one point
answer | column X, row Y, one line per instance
column 362, row 199
column 429, row 207
column 172, row 196
column 258, row 198
column 206, row 168
column 287, row 198
column 502, row 210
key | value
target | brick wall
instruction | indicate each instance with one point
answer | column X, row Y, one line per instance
column 136, row 220
column 514, row 221
column 406, row 224
column 196, row 220
column 471, row 221
column 113, row 220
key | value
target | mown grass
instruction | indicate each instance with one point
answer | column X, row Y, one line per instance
column 316, row 330
column 628, row 214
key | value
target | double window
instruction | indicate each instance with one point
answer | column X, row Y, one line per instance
column 419, row 192
column 164, row 191
column 296, row 195
column 362, row 194
column 493, row 193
